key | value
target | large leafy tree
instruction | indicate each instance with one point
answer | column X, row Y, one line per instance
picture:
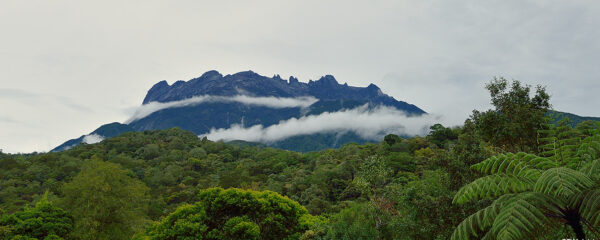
column 535, row 196
column 235, row 214
column 105, row 201
column 44, row 221
column 440, row 135
column 514, row 122
column 357, row 222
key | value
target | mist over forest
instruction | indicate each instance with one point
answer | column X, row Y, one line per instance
column 511, row 171
column 299, row 120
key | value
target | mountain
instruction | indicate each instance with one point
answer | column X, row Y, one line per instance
column 181, row 107
column 105, row 131
column 200, row 118
column 250, row 83
column 556, row 116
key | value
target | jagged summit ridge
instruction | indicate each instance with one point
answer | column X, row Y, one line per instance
column 254, row 84
column 327, row 94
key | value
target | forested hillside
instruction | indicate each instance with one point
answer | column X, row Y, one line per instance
column 521, row 175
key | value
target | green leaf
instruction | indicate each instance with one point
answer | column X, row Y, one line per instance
column 491, row 187
column 522, row 218
column 592, row 170
column 480, row 222
column 520, row 164
column 589, row 207
column 562, row 182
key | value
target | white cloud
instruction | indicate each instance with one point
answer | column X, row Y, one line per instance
column 68, row 147
column 272, row 102
column 368, row 123
column 440, row 52
column 92, row 138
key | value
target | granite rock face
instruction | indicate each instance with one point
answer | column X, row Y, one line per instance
column 201, row 118
column 252, row 84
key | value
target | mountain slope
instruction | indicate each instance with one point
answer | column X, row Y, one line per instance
column 105, row 131
column 200, row 117
column 556, row 116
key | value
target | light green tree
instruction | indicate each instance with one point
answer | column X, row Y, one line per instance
column 44, row 221
column 235, row 214
column 105, row 202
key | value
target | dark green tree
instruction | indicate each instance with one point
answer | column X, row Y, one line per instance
column 391, row 139
column 424, row 207
column 514, row 122
column 356, row 222
column 440, row 135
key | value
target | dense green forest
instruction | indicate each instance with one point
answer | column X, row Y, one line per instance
column 510, row 172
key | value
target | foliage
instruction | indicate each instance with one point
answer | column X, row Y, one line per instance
column 399, row 188
column 176, row 166
column 420, row 208
column 517, row 117
column 534, row 196
column 44, row 221
column 105, row 202
column 234, row 214
column 187, row 222
column 440, row 135
column 354, row 222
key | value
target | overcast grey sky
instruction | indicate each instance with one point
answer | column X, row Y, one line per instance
column 67, row 67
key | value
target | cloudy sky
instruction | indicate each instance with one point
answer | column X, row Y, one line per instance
column 67, row 67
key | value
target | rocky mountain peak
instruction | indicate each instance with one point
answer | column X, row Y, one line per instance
column 328, row 80
column 253, row 84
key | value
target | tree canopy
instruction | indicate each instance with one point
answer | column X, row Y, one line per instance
column 105, row 201
column 43, row 221
column 514, row 122
column 497, row 168
column 235, row 214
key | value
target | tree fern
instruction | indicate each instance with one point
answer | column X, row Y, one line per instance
column 547, row 140
column 592, row 169
column 589, row 149
column 559, row 142
column 562, row 182
column 520, row 164
column 478, row 224
column 518, row 220
column 492, row 186
column 535, row 194
column 589, row 207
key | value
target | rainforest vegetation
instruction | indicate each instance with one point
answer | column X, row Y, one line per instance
column 510, row 172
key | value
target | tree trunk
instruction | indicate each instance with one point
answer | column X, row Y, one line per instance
column 574, row 220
